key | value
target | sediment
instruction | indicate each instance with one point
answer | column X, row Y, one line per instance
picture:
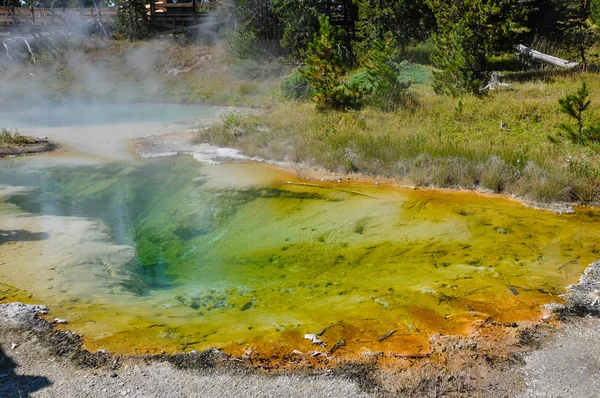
column 37, row 145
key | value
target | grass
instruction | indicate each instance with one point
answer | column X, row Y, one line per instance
column 498, row 143
column 9, row 138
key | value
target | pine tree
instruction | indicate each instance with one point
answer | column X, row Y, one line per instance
column 575, row 105
column 324, row 67
column 468, row 32
column 384, row 71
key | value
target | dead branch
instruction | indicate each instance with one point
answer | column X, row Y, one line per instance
column 530, row 53
column 15, row 39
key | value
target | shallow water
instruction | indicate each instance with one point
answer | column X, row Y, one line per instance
column 169, row 254
column 89, row 114
column 102, row 132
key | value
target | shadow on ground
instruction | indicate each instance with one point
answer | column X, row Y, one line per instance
column 21, row 236
column 14, row 385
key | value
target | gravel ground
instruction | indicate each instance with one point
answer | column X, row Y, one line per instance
column 37, row 378
column 568, row 365
column 30, row 367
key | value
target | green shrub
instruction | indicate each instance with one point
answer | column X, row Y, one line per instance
column 358, row 87
column 384, row 72
column 231, row 119
column 575, row 105
column 296, row 87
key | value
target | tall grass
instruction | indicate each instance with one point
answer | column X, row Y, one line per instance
column 498, row 143
column 10, row 138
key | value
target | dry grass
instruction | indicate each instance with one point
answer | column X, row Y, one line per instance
column 499, row 142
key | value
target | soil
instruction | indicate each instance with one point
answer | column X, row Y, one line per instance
column 36, row 145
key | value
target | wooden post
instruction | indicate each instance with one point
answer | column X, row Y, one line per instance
column 12, row 12
column 194, row 12
column 153, row 13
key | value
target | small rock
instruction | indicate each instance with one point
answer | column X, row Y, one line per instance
column 13, row 346
column 59, row 321
column 314, row 339
column 555, row 307
column 546, row 317
column 112, row 374
column 381, row 302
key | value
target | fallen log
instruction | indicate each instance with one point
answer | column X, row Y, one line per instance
column 528, row 52
column 385, row 336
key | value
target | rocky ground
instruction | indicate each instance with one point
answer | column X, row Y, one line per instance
column 568, row 365
column 39, row 362
column 36, row 145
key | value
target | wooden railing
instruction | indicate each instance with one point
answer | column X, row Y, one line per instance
column 18, row 16
column 161, row 14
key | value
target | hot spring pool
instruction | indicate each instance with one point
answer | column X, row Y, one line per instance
column 170, row 254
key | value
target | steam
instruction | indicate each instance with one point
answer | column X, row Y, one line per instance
column 68, row 65
column 71, row 69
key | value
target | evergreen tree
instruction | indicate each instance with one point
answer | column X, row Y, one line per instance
column 579, row 34
column 468, row 31
column 575, row 105
column 568, row 24
column 407, row 21
column 324, row 67
column 300, row 23
column 384, row 72
column 258, row 30
column 132, row 20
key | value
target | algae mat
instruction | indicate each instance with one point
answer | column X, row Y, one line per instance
column 169, row 254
